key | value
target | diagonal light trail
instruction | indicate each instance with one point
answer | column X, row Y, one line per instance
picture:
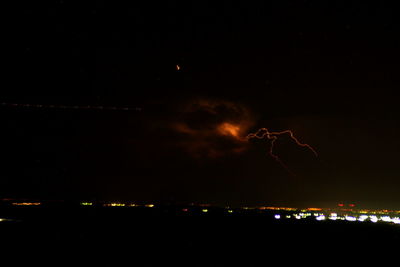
column 76, row 107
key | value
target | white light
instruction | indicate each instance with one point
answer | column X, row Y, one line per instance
column 333, row 216
column 351, row 218
column 277, row 216
column 320, row 218
column 396, row 220
column 374, row 219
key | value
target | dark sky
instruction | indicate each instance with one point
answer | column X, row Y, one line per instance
column 328, row 70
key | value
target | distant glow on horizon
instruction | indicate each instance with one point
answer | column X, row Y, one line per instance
column 26, row 203
column 314, row 209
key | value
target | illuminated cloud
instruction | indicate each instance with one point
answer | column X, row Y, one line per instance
column 213, row 128
column 229, row 129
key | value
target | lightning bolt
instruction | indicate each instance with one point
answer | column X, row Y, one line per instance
column 263, row 133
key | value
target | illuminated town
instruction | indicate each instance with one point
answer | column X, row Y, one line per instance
column 342, row 212
column 350, row 214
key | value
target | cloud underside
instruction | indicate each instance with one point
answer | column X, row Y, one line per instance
column 212, row 128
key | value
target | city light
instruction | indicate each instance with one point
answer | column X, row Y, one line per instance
column 277, row 208
column 26, row 203
column 314, row 209
column 345, row 217
column 362, row 218
column 333, row 216
column 374, row 219
column 86, row 204
column 350, row 218
column 114, row 204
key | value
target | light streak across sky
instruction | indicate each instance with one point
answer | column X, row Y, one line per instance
column 72, row 107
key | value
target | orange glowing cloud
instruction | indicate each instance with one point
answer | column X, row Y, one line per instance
column 213, row 128
column 229, row 129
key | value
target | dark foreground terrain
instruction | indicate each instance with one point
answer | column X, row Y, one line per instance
column 127, row 236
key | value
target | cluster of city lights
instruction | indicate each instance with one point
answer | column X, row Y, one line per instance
column 277, row 208
column 204, row 207
column 117, row 204
column 340, row 213
column 346, row 217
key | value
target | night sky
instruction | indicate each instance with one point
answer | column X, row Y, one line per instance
column 327, row 70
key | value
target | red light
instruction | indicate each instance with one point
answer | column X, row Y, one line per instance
column 352, row 205
column 340, row 205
